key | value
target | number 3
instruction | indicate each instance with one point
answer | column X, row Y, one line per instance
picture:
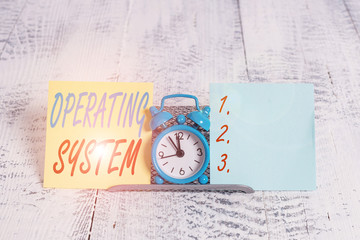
column 200, row 153
column 224, row 156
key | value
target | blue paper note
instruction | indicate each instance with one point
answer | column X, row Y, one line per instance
column 268, row 139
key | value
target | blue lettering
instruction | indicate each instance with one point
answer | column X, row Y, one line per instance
column 141, row 121
column 132, row 109
column 112, row 106
column 101, row 109
column 57, row 96
column 67, row 110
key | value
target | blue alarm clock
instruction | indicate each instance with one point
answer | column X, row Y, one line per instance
column 180, row 153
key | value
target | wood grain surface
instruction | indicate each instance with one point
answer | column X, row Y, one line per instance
column 181, row 46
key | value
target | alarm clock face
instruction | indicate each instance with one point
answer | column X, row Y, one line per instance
column 181, row 154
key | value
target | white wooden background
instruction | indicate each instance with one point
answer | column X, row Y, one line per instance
column 181, row 46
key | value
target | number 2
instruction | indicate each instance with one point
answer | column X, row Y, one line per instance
column 219, row 139
column 224, row 156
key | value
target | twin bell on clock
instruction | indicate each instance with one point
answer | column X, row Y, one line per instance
column 180, row 153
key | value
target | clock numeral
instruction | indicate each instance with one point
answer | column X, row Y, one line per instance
column 179, row 135
column 184, row 166
column 200, row 153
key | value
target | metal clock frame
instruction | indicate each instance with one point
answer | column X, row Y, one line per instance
column 183, row 128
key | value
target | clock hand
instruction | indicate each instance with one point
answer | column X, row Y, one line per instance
column 173, row 144
column 169, row 156
column 180, row 153
column 178, row 142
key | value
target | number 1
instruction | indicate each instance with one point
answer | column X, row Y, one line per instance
column 224, row 100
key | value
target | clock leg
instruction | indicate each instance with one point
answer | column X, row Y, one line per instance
column 203, row 179
column 159, row 180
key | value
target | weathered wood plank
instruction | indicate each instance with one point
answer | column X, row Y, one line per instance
column 27, row 209
column 181, row 47
column 353, row 9
column 10, row 12
column 274, row 53
column 340, row 47
column 58, row 40
column 343, row 57
column 311, row 42
column 79, row 41
column 179, row 215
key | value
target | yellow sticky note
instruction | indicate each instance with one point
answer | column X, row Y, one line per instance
column 98, row 134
